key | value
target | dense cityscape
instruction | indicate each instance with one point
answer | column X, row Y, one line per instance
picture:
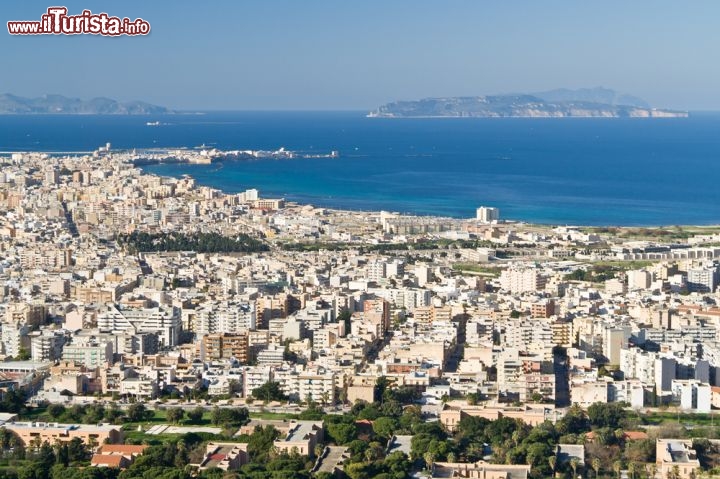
column 155, row 328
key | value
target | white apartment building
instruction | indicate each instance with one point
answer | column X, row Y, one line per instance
column 487, row 214
column 89, row 352
column 408, row 298
column 694, row 395
column 317, row 384
column 521, row 280
column 529, row 335
column 14, row 337
column 375, row 271
column 638, row 364
column 46, row 345
column 224, row 317
column 703, row 279
column 166, row 321
column 254, row 377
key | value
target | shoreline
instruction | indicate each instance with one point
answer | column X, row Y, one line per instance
column 143, row 167
column 505, row 222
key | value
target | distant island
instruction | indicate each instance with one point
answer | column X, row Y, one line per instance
column 562, row 103
column 58, row 104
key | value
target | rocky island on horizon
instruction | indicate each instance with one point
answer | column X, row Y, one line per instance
column 561, row 103
column 62, row 105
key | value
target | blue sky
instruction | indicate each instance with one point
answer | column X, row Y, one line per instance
column 272, row 54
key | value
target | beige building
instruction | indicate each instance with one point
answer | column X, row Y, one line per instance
column 302, row 437
column 225, row 346
column 480, row 470
column 676, row 453
column 90, row 434
column 298, row 436
column 228, row 456
column 117, row 455
column 454, row 411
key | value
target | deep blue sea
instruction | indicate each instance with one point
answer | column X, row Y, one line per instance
column 556, row 171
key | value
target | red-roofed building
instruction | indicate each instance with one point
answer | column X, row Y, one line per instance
column 103, row 460
column 124, row 449
column 635, row 435
column 228, row 456
column 117, row 455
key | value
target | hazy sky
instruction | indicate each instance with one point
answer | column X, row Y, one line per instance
column 342, row 54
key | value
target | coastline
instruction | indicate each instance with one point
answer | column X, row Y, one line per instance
column 504, row 222
column 171, row 158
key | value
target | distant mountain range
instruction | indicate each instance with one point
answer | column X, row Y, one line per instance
column 586, row 102
column 58, row 104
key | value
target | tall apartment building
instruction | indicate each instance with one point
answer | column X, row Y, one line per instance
column 46, row 345
column 225, row 346
column 377, row 311
column 664, row 374
column 375, row 270
column 89, row 352
column 542, row 309
column 14, row 337
column 562, row 333
column 31, row 314
column 703, row 279
column 529, row 335
column 430, row 314
column 317, row 384
column 521, row 280
column 487, row 214
column 166, row 321
column 639, row 279
column 614, row 340
column 693, row 394
column 277, row 306
column 224, row 317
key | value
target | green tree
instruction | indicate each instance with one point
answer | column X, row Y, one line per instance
column 174, row 415
column 617, row 467
column 552, row 462
column 640, row 451
column 195, row 415
column 55, row 410
column 342, row 433
column 632, row 469
column 574, row 463
column 374, row 452
column 358, row 470
column 12, row 401
column 137, row 412
column 652, row 470
column 260, row 443
column 385, row 427
column 429, row 458
column 575, row 421
column 270, row 391
column 23, row 355
column 229, row 417
column 44, row 461
column 77, row 450
column 113, row 413
column 609, row 415
column 94, row 413
column 382, row 385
